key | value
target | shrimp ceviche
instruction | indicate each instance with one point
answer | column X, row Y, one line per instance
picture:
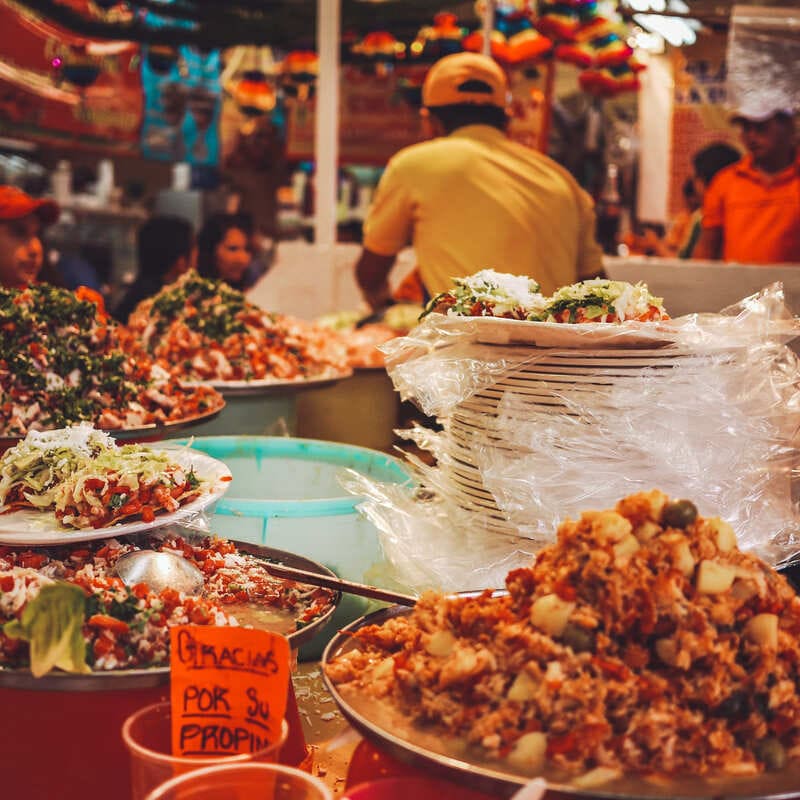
column 496, row 294
column 642, row 642
column 119, row 627
column 88, row 481
column 61, row 362
column 202, row 329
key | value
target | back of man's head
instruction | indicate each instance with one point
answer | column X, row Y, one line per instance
column 713, row 158
column 466, row 89
column 160, row 242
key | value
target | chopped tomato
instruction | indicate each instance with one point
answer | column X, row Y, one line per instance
column 108, row 623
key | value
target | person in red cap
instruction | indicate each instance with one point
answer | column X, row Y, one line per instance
column 22, row 218
column 473, row 199
column 751, row 210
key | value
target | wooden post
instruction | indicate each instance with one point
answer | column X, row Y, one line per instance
column 488, row 26
column 326, row 134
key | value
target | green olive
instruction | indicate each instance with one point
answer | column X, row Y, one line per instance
column 679, row 514
column 771, row 752
column 579, row 639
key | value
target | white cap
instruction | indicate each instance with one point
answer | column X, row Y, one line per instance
column 760, row 108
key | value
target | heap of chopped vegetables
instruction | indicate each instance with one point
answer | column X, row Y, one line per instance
column 61, row 362
column 202, row 329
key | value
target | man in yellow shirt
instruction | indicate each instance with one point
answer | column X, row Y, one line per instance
column 472, row 198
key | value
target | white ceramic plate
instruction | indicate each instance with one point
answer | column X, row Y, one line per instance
column 35, row 528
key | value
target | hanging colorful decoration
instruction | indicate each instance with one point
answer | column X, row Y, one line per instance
column 562, row 21
column 513, row 40
column 161, row 58
column 381, row 50
column 74, row 65
column 596, row 45
column 253, row 93
column 443, row 38
column 592, row 42
column 299, row 72
column 611, row 80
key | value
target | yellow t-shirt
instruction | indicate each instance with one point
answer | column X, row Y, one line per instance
column 477, row 200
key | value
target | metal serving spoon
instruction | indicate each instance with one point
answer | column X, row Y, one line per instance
column 160, row 570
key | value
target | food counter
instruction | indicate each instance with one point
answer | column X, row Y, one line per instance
column 644, row 644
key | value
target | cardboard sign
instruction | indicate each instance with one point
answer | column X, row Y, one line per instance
column 228, row 689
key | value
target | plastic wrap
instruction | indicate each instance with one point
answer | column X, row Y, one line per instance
column 763, row 57
column 446, row 360
column 705, row 407
column 431, row 543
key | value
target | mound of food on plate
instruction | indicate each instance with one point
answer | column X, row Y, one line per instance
column 64, row 607
column 642, row 642
column 601, row 300
column 495, row 294
column 363, row 340
column 489, row 294
column 88, row 481
column 202, row 329
column 61, row 362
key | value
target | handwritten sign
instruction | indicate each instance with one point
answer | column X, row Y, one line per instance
column 228, row 689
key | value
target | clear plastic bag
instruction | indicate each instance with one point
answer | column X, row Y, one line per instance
column 705, row 407
column 763, row 57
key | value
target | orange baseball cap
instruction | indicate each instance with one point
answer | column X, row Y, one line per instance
column 16, row 204
column 465, row 78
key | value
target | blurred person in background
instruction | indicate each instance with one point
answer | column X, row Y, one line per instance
column 472, row 198
column 22, row 219
column 684, row 234
column 751, row 211
column 225, row 250
column 165, row 249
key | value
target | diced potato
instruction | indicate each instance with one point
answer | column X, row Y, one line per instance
column 647, row 530
column 763, row 630
column 609, row 525
column 529, row 751
column 550, row 614
column 667, row 651
column 596, row 777
column 714, row 578
column 384, row 669
column 725, row 536
column 744, row 588
column 441, row 643
column 523, row 688
column 627, row 547
column 683, row 559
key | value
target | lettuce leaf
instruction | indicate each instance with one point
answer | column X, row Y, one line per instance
column 52, row 624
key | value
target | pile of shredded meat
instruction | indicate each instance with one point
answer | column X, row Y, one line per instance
column 641, row 642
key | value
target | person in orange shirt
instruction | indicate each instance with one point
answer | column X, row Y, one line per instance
column 751, row 211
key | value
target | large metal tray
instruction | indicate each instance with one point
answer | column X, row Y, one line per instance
column 156, row 676
column 144, row 433
column 427, row 747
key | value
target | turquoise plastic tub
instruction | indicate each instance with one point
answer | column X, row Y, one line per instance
column 285, row 493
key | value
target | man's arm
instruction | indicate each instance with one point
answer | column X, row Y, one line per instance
column 710, row 244
column 372, row 274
